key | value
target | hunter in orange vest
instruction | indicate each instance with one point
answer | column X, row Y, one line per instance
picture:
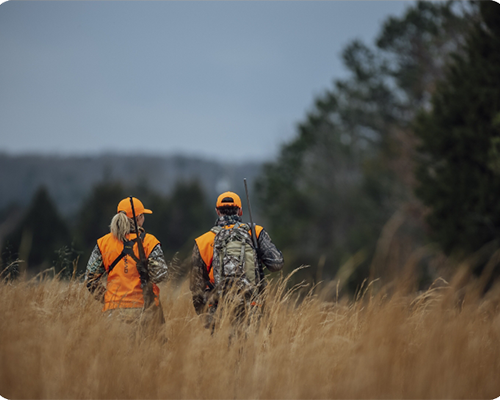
column 116, row 255
column 229, row 212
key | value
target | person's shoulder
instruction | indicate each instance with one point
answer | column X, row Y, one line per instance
column 151, row 240
column 105, row 237
column 258, row 229
column 105, row 241
column 206, row 236
column 149, row 236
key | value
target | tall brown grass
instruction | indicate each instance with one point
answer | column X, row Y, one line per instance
column 387, row 342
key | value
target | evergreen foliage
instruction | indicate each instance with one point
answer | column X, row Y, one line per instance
column 94, row 217
column 458, row 169
column 179, row 218
column 97, row 210
column 334, row 186
column 176, row 220
column 42, row 239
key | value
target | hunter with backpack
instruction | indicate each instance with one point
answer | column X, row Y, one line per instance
column 230, row 257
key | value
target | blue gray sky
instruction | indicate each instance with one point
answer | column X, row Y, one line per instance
column 223, row 80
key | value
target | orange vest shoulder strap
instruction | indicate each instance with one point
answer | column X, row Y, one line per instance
column 205, row 245
column 258, row 230
column 101, row 240
column 150, row 242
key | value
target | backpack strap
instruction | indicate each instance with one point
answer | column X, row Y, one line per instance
column 128, row 250
column 215, row 230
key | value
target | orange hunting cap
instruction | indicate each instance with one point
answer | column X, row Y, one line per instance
column 139, row 209
column 228, row 199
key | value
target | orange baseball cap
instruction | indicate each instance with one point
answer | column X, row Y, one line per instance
column 139, row 209
column 228, row 199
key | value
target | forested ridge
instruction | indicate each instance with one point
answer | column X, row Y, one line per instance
column 70, row 178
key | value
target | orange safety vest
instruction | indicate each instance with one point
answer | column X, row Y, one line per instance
column 123, row 289
column 205, row 245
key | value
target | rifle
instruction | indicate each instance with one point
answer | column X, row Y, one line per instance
column 142, row 266
column 259, row 276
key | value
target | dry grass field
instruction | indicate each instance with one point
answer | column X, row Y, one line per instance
column 385, row 343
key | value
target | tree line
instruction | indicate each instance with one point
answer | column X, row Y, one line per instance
column 44, row 239
column 402, row 154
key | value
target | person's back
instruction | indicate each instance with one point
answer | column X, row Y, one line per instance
column 130, row 281
column 216, row 264
column 123, row 287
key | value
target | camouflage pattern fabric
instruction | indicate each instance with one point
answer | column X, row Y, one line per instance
column 269, row 255
column 225, row 220
column 234, row 255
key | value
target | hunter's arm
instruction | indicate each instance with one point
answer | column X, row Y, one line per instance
column 198, row 282
column 94, row 273
column 269, row 254
column 157, row 266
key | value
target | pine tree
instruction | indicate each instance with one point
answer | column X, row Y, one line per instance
column 458, row 170
column 348, row 170
column 94, row 217
column 176, row 220
column 42, row 239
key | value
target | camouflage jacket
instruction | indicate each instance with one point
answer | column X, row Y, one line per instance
column 268, row 254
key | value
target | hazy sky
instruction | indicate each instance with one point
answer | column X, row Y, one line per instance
column 224, row 79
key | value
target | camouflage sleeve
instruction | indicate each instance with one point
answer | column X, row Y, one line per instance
column 270, row 256
column 157, row 266
column 198, row 280
column 95, row 271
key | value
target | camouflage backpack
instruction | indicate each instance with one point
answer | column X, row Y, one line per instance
column 235, row 259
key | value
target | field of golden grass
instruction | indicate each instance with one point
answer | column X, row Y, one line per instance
column 384, row 343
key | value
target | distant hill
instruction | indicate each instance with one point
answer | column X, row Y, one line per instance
column 69, row 179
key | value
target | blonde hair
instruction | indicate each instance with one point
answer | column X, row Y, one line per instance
column 120, row 225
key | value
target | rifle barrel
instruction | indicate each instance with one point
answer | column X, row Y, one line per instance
column 252, row 226
column 260, row 272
